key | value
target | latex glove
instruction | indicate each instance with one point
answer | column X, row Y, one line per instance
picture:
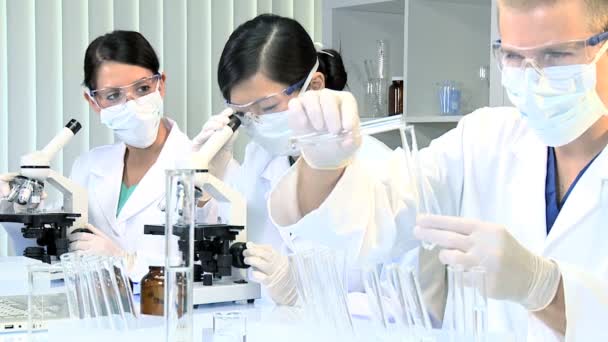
column 271, row 269
column 512, row 272
column 326, row 111
column 96, row 242
column 5, row 188
column 217, row 165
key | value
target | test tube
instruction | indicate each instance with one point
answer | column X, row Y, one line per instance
column 113, row 292
column 179, row 255
column 101, row 294
column 399, row 300
column 477, row 275
column 456, row 300
column 124, row 286
column 308, row 292
column 416, row 303
column 370, row 127
column 427, row 202
column 373, row 289
column 332, row 263
column 78, row 307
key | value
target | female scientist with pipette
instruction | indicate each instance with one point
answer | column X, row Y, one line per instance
column 266, row 63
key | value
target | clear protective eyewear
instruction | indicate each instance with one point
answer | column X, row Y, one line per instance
column 114, row 96
column 268, row 104
column 574, row 52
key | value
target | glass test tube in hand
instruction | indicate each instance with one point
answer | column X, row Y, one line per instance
column 370, row 127
column 426, row 199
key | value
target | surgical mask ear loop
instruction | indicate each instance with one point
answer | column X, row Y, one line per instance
column 309, row 78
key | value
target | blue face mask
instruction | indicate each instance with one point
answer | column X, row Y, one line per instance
column 559, row 105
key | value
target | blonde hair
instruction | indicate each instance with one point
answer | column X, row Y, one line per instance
column 597, row 10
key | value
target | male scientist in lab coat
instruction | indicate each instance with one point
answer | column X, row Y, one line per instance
column 525, row 188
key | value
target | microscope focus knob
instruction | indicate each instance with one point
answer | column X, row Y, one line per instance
column 238, row 260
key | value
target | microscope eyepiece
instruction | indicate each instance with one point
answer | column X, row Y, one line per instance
column 74, row 126
column 234, row 122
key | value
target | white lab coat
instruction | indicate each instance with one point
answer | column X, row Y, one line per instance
column 100, row 171
column 260, row 173
column 492, row 167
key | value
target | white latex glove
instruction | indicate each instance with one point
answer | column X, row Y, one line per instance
column 5, row 179
column 512, row 272
column 326, row 111
column 271, row 269
column 5, row 190
column 217, row 165
column 97, row 243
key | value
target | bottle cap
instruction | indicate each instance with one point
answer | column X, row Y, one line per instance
column 397, row 78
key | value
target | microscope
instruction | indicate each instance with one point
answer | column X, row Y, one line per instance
column 49, row 228
column 220, row 274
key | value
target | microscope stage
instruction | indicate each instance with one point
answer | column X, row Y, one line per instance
column 38, row 219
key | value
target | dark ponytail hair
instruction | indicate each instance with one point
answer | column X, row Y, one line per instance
column 278, row 47
column 128, row 47
column 331, row 65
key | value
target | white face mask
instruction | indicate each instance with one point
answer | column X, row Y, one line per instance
column 272, row 132
column 559, row 106
column 136, row 121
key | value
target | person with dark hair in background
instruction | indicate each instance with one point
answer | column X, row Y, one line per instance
column 125, row 87
column 269, row 72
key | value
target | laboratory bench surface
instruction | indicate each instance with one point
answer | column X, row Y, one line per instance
column 266, row 322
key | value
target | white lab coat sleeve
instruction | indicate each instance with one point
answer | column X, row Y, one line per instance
column 214, row 211
column 586, row 298
column 357, row 216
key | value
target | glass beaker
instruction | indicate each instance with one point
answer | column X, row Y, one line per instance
column 46, row 297
column 449, row 98
column 232, row 323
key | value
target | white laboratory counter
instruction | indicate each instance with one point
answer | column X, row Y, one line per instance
column 265, row 323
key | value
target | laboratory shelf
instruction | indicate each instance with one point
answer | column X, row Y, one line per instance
column 433, row 119
column 424, row 119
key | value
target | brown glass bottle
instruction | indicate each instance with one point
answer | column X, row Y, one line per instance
column 153, row 291
column 395, row 97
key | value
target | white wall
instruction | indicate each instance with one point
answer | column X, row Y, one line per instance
column 42, row 46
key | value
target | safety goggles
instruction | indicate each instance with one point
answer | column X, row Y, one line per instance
column 273, row 103
column 574, row 52
column 114, row 96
